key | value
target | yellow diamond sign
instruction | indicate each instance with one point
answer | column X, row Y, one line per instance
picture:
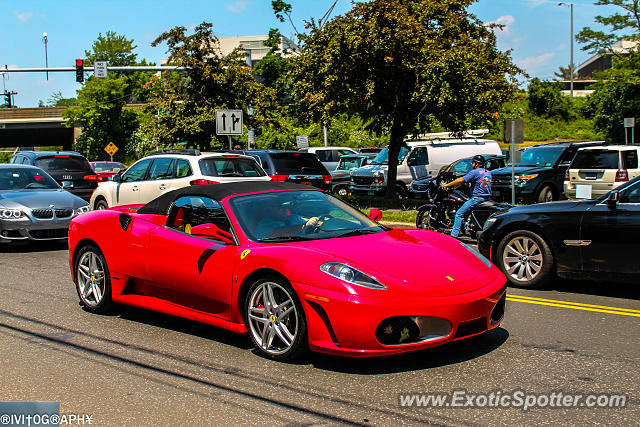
column 111, row 149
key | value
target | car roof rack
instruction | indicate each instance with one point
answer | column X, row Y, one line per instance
column 473, row 133
column 185, row 151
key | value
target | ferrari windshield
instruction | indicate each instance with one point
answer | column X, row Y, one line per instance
column 25, row 179
column 280, row 216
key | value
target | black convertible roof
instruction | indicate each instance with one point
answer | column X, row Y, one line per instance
column 161, row 205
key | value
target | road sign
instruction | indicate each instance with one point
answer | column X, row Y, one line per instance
column 100, row 69
column 229, row 122
column 514, row 131
column 111, row 149
column 629, row 122
column 302, row 141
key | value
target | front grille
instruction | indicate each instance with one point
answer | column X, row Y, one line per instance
column 420, row 187
column 64, row 213
column 362, row 180
column 56, row 233
column 42, row 213
column 501, row 180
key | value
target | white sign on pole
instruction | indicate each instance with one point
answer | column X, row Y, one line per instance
column 100, row 69
column 229, row 122
column 302, row 141
column 629, row 122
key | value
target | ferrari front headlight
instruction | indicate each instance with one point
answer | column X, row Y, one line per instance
column 350, row 275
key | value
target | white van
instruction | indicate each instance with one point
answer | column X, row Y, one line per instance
column 329, row 156
column 417, row 160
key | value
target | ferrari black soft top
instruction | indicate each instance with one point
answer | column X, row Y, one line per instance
column 161, row 205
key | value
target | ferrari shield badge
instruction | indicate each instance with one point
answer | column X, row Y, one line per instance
column 244, row 253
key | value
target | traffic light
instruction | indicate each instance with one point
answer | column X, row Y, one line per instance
column 7, row 99
column 79, row 70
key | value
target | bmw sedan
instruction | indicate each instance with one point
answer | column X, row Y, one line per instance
column 33, row 206
column 591, row 239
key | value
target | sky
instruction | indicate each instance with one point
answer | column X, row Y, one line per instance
column 536, row 31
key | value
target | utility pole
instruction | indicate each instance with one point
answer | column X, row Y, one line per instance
column 570, row 5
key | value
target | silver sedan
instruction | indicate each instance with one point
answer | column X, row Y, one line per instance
column 33, row 206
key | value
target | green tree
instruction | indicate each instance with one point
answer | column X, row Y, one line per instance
column 182, row 108
column 406, row 66
column 624, row 25
column 546, row 99
column 58, row 100
column 99, row 109
column 273, row 67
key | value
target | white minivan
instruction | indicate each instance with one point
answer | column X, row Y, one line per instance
column 417, row 160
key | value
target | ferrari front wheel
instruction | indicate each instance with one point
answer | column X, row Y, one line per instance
column 275, row 319
column 93, row 282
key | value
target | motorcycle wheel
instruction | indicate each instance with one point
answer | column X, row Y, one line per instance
column 423, row 220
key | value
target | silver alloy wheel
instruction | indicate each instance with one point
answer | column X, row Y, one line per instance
column 548, row 196
column 342, row 191
column 522, row 258
column 273, row 318
column 91, row 279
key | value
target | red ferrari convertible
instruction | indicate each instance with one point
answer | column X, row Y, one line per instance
column 294, row 267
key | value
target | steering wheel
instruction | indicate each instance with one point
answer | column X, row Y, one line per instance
column 321, row 220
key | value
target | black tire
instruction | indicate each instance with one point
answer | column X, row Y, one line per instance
column 526, row 259
column 101, row 204
column 94, row 292
column 279, row 329
column 342, row 190
column 546, row 194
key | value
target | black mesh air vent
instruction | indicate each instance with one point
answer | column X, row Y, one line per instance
column 125, row 220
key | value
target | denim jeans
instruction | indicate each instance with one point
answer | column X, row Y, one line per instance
column 464, row 211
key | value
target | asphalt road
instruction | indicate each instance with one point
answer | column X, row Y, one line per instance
column 136, row 368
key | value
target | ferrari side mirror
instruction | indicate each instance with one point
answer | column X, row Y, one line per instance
column 375, row 214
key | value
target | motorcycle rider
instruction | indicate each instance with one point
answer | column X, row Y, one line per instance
column 480, row 179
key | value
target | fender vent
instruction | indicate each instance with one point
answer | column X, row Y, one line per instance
column 125, row 220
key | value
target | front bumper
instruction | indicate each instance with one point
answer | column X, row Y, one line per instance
column 344, row 324
column 27, row 229
column 371, row 190
column 500, row 193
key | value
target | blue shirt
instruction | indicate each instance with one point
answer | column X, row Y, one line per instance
column 480, row 179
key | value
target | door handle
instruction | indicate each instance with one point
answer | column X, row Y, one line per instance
column 134, row 188
column 163, row 187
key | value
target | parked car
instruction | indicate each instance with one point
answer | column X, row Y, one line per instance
column 421, row 189
column 592, row 239
column 106, row 170
column 539, row 177
column 70, row 169
column 163, row 171
column 369, row 150
column 417, row 160
column 600, row 169
column 33, row 206
column 204, row 253
column 329, row 156
column 341, row 175
column 293, row 166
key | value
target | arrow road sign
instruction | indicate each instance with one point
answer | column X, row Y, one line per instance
column 229, row 122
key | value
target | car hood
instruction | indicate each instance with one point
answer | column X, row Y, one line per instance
column 339, row 174
column 368, row 170
column 519, row 170
column 39, row 199
column 561, row 206
column 418, row 259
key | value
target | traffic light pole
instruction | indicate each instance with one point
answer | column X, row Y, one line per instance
column 90, row 69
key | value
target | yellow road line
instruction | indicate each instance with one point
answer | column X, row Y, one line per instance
column 574, row 303
column 575, row 307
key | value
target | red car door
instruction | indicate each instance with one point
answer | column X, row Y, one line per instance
column 191, row 271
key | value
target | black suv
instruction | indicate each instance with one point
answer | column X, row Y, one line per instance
column 539, row 177
column 293, row 166
column 71, row 169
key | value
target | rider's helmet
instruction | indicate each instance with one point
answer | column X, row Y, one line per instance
column 478, row 159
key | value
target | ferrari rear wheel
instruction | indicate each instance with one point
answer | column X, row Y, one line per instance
column 275, row 319
column 93, row 282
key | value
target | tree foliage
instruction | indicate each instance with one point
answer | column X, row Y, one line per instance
column 623, row 25
column 99, row 108
column 404, row 66
column 546, row 99
column 182, row 106
column 273, row 67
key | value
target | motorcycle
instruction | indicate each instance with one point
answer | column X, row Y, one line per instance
column 440, row 213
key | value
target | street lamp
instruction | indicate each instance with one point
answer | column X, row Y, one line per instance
column 570, row 6
column 46, row 56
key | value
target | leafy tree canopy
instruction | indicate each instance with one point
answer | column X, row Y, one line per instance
column 622, row 25
column 546, row 99
column 404, row 65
